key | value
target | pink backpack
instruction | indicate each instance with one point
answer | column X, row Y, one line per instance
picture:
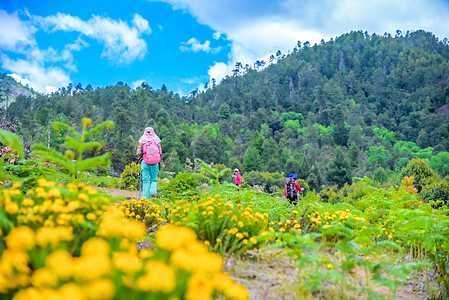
column 151, row 154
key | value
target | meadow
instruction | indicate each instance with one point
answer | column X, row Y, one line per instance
column 204, row 238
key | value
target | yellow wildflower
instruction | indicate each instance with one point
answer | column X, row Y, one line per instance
column 20, row 238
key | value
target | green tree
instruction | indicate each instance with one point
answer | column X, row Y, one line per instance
column 252, row 160
column 378, row 156
column 421, row 172
column 224, row 112
column 440, row 163
column 380, row 176
column 339, row 171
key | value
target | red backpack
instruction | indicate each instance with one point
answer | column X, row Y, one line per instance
column 290, row 187
column 151, row 154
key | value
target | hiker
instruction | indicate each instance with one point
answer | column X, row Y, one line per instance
column 237, row 177
column 150, row 149
column 291, row 188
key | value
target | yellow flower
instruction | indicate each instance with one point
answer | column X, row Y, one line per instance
column 329, row 266
column 16, row 185
column 20, row 238
column 171, row 238
column 55, row 193
column 12, row 208
column 95, row 247
column 207, row 243
column 218, row 241
column 199, row 287
column 245, row 241
column 126, row 262
column 158, row 278
column 52, row 236
column 271, row 229
column 253, row 240
column 71, row 291
column 83, row 197
column 240, row 224
column 239, row 235
column 44, row 278
column 91, row 216
column 60, row 262
column 100, row 289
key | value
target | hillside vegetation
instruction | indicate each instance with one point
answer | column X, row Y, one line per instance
column 357, row 105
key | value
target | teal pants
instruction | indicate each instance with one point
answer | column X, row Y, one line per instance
column 149, row 179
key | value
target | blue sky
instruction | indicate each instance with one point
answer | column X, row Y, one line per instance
column 182, row 43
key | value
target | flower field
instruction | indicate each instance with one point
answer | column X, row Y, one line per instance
column 70, row 241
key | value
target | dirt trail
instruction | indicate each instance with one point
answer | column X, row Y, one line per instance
column 273, row 276
column 120, row 193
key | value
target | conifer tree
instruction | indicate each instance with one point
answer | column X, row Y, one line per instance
column 339, row 171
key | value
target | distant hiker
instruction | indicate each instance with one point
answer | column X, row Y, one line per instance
column 291, row 188
column 237, row 177
column 150, row 148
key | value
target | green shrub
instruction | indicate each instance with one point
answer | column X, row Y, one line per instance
column 183, row 185
column 436, row 191
column 130, row 177
column 421, row 172
column 272, row 182
column 380, row 176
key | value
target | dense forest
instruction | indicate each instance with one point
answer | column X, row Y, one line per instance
column 358, row 105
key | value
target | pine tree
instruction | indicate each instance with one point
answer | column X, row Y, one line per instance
column 339, row 170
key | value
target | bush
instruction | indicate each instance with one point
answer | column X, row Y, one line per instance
column 183, row 185
column 271, row 182
column 421, row 172
column 380, row 176
column 226, row 227
column 130, row 177
column 436, row 191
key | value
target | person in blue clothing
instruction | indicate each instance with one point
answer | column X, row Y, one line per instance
column 150, row 149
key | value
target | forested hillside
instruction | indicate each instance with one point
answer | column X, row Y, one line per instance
column 353, row 106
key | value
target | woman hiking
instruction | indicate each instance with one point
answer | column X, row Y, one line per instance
column 150, row 148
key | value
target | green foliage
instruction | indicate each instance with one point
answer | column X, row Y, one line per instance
column 339, row 170
column 73, row 161
column 130, row 178
column 440, row 163
column 11, row 140
column 184, row 185
column 271, row 182
column 420, row 171
column 378, row 156
column 252, row 160
column 380, row 176
column 291, row 116
column 436, row 192
column 214, row 173
column 384, row 134
column 102, row 181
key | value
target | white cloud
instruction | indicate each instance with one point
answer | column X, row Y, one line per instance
column 122, row 43
column 15, row 34
column 259, row 28
column 137, row 83
column 32, row 65
column 45, row 80
column 191, row 80
column 219, row 70
column 216, row 35
column 194, row 45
